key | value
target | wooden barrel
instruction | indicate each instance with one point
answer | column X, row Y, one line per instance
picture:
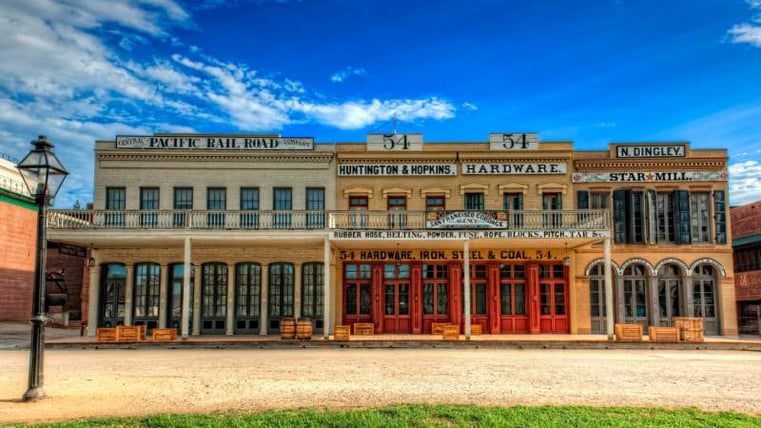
column 304, row 329
column 287, row 328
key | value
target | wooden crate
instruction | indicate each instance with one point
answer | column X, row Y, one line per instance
column 364, row 328
column 141, row 332
column 451, row 332
column 128, row 333
column 342, row 332
column 438, row 327
column 663, row 334
column 690, row 328
column 628, row 332
column 476, row 330
column 164, row 334
column 105, row 335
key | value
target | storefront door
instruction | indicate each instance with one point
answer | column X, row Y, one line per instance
column 396, row 299
column 479, row 313
column 553, row 299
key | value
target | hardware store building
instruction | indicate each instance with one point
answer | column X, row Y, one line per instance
column 229, row 234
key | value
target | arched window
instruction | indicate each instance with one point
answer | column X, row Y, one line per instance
column 597, row 308
column 280, row 293
column 704, row 297
column 312, row 286
column 146, row 294
column 113, row 287
column 213, row 297
column 635, row 294
column 248, row 293
column 669, row 294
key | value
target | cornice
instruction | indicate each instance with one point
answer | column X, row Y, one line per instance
column 628, row 164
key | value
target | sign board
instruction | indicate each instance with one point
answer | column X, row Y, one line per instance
column 651, row 151
column 395, row 142
column 514, row 141
column 648, row 177
column 72, row 250
column 466, row 220
column 395, row 169
column 421, row 235
column 513, row 168
column 427, row 255
column 213, row 142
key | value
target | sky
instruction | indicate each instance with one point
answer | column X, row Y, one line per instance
column 592, row 72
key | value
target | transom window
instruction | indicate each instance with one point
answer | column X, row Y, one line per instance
column 474, row 201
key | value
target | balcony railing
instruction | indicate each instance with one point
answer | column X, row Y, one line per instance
column 311, row 220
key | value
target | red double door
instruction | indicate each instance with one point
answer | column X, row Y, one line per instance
column 408, row 298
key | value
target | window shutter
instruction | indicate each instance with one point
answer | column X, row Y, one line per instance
column 652, row 232
column 619, row 216
column 682, row 216
column 582, row 200
column 519, row 198
column 720, row 216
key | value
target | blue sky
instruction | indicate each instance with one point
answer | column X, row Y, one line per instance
column 592, row 72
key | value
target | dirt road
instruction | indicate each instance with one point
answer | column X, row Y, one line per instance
column 84, row 383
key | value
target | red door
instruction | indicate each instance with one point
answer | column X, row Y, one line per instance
column 396, row 299
column 513, row 317
column 553, row 299
column 479, row 308
column 435, row 295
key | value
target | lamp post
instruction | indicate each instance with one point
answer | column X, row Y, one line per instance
column 43, row 174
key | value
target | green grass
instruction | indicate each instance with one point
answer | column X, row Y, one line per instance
column 442, row 416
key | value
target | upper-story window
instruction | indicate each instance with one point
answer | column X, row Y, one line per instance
column 149, row 200
column 282, row 201
column 664, row 217
column 435, row 203
column 315, row 202
column 216, row 199
column 513, row 204
column 249, row 201
column 183, row 200
column 116, row 199
column 396, row 211
column 474, row 201
column 552, row 201
column 628, row 217
column 700, row 217
column 359, row 218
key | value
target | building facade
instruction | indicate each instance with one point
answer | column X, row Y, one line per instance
column 746, row 241
column 229, row 234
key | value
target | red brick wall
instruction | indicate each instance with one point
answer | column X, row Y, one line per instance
column 18, row 231
column 746, row 220
column 748, row 285
column 74, row 274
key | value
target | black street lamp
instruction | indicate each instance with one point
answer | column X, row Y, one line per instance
column 43, row 174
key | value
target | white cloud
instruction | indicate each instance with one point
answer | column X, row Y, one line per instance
column 469, row 106
column 746, row 33
column 754, row 4
column 606, row 125
column 745, row 182
column 356, row 115
column 341, row 75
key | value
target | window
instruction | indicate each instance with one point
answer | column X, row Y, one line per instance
column 628, row 217
column 248, row 292
column 747, row 259
column 358, row 205
column 176, row 288
column 149, row 200
column 435, row 204
column 281, row 201
column 512, row 203
column 183, row 200
column 635, row 293
column 664, row 213
column 597, row 303
column 720, row 216
column 213, row 297
column 280, row 292
column 552, row 202
column 396, row 211
column 112, row 298
column 146, row 292
column 478, row 277
column 216, row 200
column 316, row 203
column 249, row 201
column 115, row 200
column 435, row 289
column 700, row 217
column 669, row 294
column 474, row 201
column 357, row 290
column 312, row 288
column 512, row 280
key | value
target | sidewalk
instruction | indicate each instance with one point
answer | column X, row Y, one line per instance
column 16, row 335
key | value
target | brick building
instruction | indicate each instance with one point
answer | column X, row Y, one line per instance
column 746, row 242
column 229, row 234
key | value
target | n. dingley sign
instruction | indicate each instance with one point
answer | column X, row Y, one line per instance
column 213, row 142
column 466, row 220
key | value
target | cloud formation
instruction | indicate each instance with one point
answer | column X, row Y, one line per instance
column 747, row 33
column 76, row 77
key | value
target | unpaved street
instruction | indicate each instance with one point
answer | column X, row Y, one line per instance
column 83, row 383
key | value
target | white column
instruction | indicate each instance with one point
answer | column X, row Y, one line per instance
column 93, row 300
column 128, row 294
column 327, row 308
column 609, row 307
column 163, row 292
column 186, row 301
column 297, row 290
column 230, row 301
column 466, row 298
column 263, row 321
column 197, row 301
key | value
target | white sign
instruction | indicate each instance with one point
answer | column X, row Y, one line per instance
column 395, row 169
column 395, row 142
column 213, row 142
column 466, row 220
column 514, row 141
column 646, row 177
column 513, row 168
column 466, row 234
column 651, row 151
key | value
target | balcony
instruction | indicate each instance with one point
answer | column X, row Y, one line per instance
column 526, row 220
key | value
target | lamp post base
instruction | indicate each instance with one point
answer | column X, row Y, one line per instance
column 33, row 394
